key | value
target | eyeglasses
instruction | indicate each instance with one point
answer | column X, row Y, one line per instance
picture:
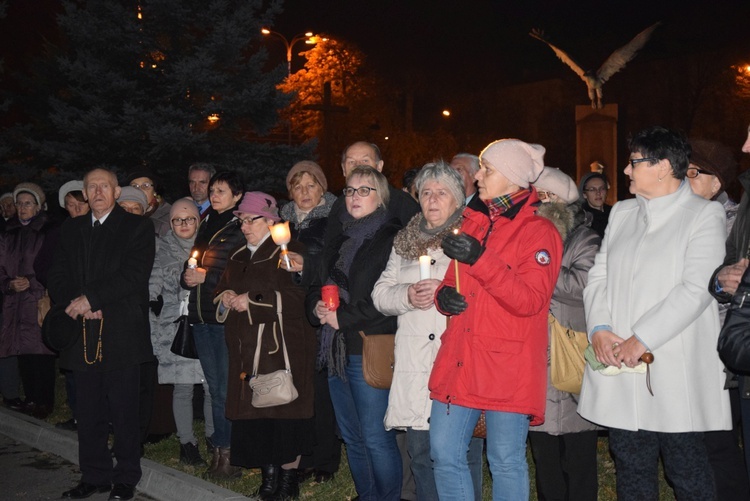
column 142, row 186
column 601, row 189
column 636, row 161
column 362, row 191
column 25, row 204
column 693, row 172
column 184, row 221
column 248, row 220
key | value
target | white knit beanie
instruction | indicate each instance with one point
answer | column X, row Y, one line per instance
column 520, row 162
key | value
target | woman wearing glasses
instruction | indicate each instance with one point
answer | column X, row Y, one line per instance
column 184, row 373
column 647, row 292
column 354, row 261
column 218, row 235
column 594, row 187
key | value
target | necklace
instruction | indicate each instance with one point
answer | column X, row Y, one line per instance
column 98, row 355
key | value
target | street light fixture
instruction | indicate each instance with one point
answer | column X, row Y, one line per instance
column 289, row 44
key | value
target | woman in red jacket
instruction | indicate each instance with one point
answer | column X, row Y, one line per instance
column 493, row 356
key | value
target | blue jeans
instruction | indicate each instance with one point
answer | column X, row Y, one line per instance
column 451, row 429
column 418, row 445
column 374, row 459
column 214, row 357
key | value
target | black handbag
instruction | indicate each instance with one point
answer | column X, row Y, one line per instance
column 59, row 331
column 734, row 338
column 183, row 343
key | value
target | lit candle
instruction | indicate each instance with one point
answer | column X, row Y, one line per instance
column 424, row 267
column 193, row 261
column 455, row 265
column 281, row 236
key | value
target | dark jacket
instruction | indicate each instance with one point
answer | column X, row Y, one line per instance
column 359, row 314
column 261, row 278
column 601, row 217
column 218, row 236
column 19, row 247
column 111, row 266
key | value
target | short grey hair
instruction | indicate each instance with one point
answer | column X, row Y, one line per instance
column 473, row 159
column 205, row 167
column 443, row 173
column 378, row 179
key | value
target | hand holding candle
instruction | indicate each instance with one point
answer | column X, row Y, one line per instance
column 281, row 236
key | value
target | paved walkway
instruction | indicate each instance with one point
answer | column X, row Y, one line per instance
column 39, row 462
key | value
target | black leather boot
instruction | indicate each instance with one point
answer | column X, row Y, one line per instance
column 270, row 481
column 288, row 486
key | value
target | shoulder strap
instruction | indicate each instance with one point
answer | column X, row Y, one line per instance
column 256, row 359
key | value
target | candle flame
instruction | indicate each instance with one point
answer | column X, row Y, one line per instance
column 195, row 254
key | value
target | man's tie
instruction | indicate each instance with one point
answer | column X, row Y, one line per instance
column 97, row 224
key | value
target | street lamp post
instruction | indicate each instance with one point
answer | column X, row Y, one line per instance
column 289, row 44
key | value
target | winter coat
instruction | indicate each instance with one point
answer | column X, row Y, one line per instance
column 171, row 254
column 160, row 218
column 218, row 236
column 494, row 354
column 311, row 232
column 417, row 338
column 581, row 244
column 111, row 266
column 261, row 278
column 649, row 280
column 359, row 313
column 19, row 246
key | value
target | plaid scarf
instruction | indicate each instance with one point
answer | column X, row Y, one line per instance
column 499, row 205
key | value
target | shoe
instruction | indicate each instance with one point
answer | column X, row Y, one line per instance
column 224, row 468
column 288, row 486
column 269, row 482
column 322, row 477
column 305, row 473
column 155, row 438
column 84, row 490
column 122, row 491
column 28, row 407
column 15, row 404
column 189, row 454
column 69, row 425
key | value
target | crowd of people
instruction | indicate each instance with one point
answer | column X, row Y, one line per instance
column 467, row 266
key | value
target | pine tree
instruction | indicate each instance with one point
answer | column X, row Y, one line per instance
column 135, row 83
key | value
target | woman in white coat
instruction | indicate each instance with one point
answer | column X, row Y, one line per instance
column 646, row 292
column 407, row 289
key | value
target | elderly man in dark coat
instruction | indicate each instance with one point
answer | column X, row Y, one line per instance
column 101, row 273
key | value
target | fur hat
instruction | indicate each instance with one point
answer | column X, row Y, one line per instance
column 74, row 185
column 260, row 204
column 520, row 162
column 556, row 181
column 184, row 207
column 33, row 189
column 130, row 194
column 312, row 168
column 715, row 158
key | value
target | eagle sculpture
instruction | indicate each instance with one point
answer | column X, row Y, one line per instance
column 614, row 63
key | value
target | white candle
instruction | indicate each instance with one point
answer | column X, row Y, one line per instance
column 193, row 262
column 424, row 267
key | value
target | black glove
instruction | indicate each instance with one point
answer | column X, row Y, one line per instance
column 462, row 247
column 451, row 301
column 156, row 305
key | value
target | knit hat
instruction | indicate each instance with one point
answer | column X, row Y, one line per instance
column 130, row 194
column 260, row 204
column 520, row 162
column 715, row 158
column 74, row 185
column 556, row 181
column 310, row 167
column 6, row 195
column 184, row 207
column 33, row 189
column 591, row 175
column 143, row 172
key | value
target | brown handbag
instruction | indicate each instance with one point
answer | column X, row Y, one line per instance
column 378, row 359
column 43, row 306
column 480, row 430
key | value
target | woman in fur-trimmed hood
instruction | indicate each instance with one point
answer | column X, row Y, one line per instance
column 564, row 447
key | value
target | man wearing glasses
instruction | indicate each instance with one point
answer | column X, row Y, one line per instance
column 594, row 188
